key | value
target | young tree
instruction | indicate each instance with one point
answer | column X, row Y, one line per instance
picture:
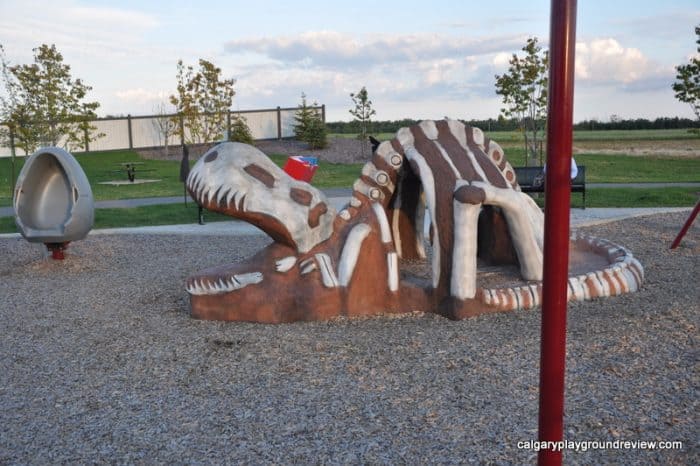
column 44, row 104
column 524, row 91
column 316, row 134
column 240, row 132
column 164, row 126
column 203, row 101
column 687, row 85
column 362, row 114
column 309, row 126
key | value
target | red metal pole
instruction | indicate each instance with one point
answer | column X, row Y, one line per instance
column 562, row 43
column 686, row 226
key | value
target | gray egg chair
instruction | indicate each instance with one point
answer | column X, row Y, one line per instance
column 53, row 200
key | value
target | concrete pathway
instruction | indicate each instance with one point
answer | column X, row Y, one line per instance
column 330, row 192
column 579, row 218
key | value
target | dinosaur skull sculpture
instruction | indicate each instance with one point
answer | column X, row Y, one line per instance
column 324, row 264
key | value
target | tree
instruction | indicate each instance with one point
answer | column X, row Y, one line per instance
column 240, row 132
column 302, row 118
column 203, row 101
column 164, row 126
column 524, row 91
column 310, row 127
column 44, row 105
column 316, row 133
column 687, row 85
column 362, row 114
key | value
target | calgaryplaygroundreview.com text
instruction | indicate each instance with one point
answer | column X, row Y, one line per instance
column 585, row 445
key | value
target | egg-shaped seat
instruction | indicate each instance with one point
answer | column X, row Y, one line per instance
column 53, row 200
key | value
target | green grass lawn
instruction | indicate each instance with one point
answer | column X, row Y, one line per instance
column 631, row 197
column 163, row 214
column 175, row 214
column 104, row 166
column 601, row 168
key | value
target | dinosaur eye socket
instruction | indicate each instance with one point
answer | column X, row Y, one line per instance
column 211, row 157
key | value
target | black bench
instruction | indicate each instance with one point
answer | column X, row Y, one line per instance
column 531, row 180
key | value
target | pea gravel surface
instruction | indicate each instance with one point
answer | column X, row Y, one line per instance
column 100, row 363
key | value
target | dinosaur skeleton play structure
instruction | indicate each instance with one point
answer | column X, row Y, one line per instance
column 324, row 264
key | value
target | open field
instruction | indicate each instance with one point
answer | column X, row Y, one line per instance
column 675, row 142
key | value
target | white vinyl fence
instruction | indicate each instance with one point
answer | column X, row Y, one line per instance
column 140, row 132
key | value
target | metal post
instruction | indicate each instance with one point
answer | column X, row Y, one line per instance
column 279, row 123
column 228, row 125
column 686, row 226
column 12, row 153
column 323, row 113
column 182, row 130
column 131, row 139
column 562, row 38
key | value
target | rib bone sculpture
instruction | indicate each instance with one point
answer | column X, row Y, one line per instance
column 324, row 264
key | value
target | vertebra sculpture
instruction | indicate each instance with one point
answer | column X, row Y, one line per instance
column 325, row 264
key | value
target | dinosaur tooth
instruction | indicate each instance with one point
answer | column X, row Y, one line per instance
column 285, row 264
column 249, row 278
column 308, row 268
column 231, row 198
column 221, row 194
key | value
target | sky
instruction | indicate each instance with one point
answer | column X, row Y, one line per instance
column 417, row 59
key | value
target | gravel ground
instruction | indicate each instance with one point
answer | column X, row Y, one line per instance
column 339, row 150
column 101, row 363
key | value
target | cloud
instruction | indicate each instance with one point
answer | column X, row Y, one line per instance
column 139, row 94
column 607, row 62
column 85, row 30
column 664, row 26
column 334, row 49
column 328, row 66
column 105, row 16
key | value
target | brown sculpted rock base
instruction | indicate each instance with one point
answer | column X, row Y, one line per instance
column 440, row 192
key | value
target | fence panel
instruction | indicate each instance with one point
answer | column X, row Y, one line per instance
column 287, row 122
column 116, row 132
column 142, row 131
column 263, row 125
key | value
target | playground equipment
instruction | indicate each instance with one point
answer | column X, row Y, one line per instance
column 325, row 264
column 686, row 226
column 52, row 200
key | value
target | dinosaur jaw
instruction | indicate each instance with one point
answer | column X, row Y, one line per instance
column 220, row 284
column 240, row 181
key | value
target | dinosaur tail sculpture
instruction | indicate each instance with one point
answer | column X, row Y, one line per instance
column 324, row 264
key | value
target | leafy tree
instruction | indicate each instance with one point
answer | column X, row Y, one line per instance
column 310, row 127
column 362, row 114
column 687, row 85
column 524, row 91
column 203, row 100
column 44, row 105
column 240, row 132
